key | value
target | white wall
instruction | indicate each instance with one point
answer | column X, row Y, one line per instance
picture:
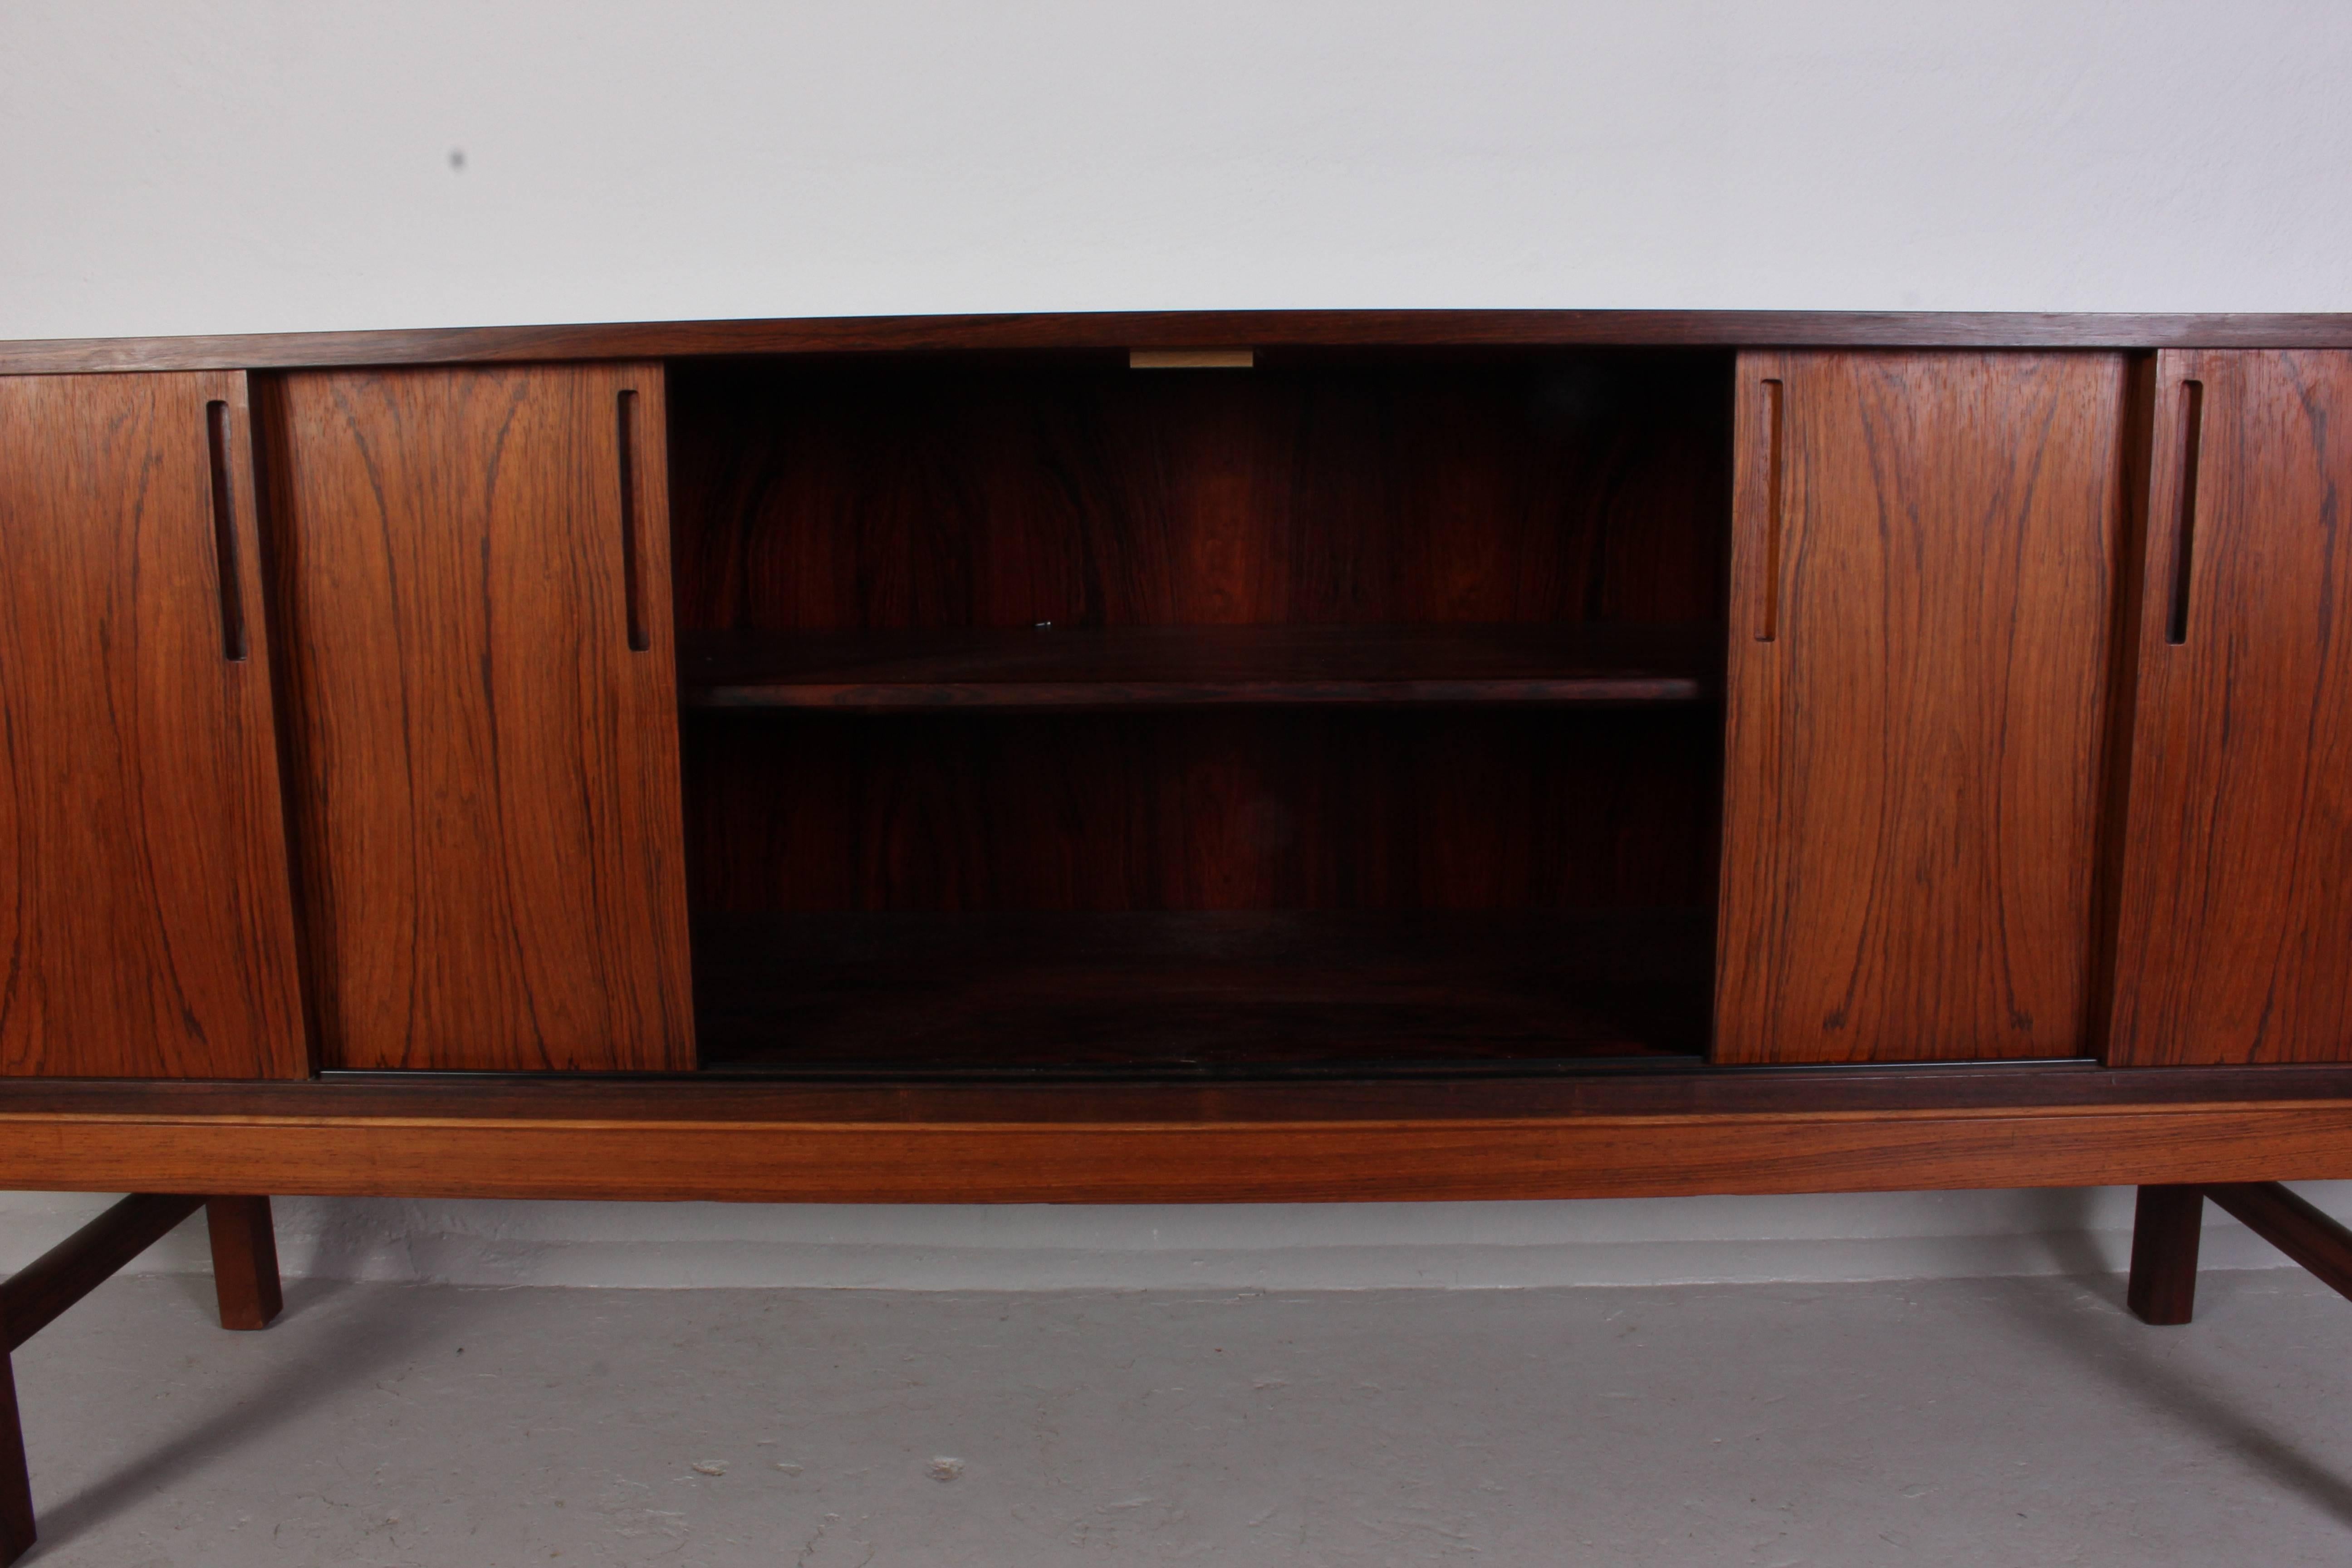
column 1266, row 1246
column 187, row 167
column 196, row 168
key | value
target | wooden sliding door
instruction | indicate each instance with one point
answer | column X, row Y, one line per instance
column 146, row 921
column 1924, row 560
column 2234, row 942
column 477, row 589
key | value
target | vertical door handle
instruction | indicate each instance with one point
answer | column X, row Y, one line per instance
column 2184, row 538
column 632, row 577
column 1776, row 485
column 232, row 587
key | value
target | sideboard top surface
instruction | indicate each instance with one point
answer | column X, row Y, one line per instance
column 1186, row 329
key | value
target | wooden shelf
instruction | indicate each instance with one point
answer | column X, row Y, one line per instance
column 1589, row 663
column 1198, row 994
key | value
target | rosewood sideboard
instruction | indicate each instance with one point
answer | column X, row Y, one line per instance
column 1175, row 757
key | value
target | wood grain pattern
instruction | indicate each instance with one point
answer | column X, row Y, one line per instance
column 244, row 1261
column 1329, row 490
column 2235, row 917
column 1322, row 808
column 1118, row 331
column 877, row 1147
column 1589, row 663
column 489, row 817
column 146, row 927
column 2168, row 1223
column 1915, row 756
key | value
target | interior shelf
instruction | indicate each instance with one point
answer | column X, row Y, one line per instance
column 1177, row 994
column 1359, row 716
column 1597, row 663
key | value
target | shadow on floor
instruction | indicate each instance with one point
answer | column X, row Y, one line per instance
column 382, row 1330
column 2130, row 1355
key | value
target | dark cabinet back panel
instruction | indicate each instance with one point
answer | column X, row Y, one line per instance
column 827, row 496
column 932, row 494
column 1275, row 881
column 1275, row 809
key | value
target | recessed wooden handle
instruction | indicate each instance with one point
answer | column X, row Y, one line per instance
column 2184, row 538
column 632, row 579
column 1775, row 507
column 232, row 592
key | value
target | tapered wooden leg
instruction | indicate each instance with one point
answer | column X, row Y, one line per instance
column 15, row 1480
column 244, row 1261
column 2165, row 1232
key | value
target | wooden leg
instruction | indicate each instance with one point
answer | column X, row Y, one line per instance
column 244, row 1261
column 30, row 1300
column 34, row 1296
column 15, row 1480
column 2165, row 1232
column 2294, row 1227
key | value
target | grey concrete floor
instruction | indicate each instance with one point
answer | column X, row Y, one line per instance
column 1978, row 1422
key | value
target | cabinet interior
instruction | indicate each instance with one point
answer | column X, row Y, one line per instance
column 1353, row 713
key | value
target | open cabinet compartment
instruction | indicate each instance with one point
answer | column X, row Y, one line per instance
column 1354, row 713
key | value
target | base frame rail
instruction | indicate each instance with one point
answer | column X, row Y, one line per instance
column 245, row 1270
column 2166, row 1226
